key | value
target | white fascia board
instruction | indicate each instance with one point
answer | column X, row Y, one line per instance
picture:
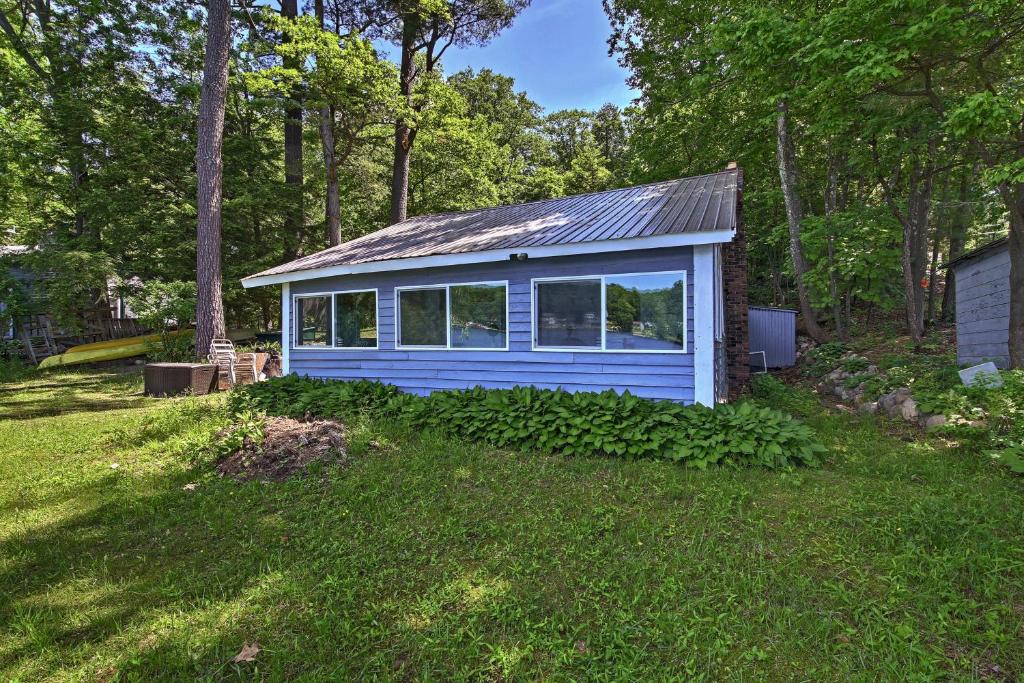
column 495, row 255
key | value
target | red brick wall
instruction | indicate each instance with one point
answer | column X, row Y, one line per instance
column 734, row 276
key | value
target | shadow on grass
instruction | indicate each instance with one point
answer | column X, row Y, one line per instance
column 137, row 557
column 53, row 394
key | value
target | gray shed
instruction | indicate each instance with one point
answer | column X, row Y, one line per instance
column 982, row 280
column 773, row 332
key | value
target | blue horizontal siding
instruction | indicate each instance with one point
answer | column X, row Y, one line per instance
column 650, row 375
column 983, row 309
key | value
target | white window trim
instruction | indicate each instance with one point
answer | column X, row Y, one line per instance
column 447, row 287
column 294, row 327
column 534, row 331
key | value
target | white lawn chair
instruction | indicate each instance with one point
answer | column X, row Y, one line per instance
column 236, row 367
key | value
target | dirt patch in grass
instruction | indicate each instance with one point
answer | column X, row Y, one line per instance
column 288, row 448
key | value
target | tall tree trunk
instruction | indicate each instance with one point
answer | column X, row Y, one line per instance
column 209, row 172
column 937, row 234
column 957, row 236
column 294, row 214
column 794, row 216
column 333, row 205
column 915, row 233
column 404, row 134
column 916, row 240
column 831, row 205
column 1013, row 196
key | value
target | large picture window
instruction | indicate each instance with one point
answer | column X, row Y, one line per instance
column 639, row 313
column 313, row 321
column 464, row 316
column 355, row 320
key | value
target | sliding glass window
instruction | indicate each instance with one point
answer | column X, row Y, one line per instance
column 569, row 314
column 313, row 321
column 422, row 317
column 478, row 319
column 645, row 312
column 470, row 317
column 638, row 313
column 355, row 320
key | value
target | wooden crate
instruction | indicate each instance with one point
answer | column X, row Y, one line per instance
column 174, row 379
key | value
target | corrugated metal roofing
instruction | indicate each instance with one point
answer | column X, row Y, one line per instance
column 688, row 205
column 984, row 249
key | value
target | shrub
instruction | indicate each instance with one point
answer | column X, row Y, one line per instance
column 526, row 418
column 823, row 358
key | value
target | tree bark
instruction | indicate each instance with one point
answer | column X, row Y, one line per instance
column 1013, row 196
column 937, row 234
column 794, row 216
column 915, row 233
column 294, row 214
column 957, row 236
column 831, row 205
column 333, row 204
column 209, row 172
column 404, row 134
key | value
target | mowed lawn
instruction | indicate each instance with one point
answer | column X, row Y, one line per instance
column 429, row 559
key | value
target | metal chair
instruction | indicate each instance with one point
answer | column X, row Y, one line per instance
column 237, row 367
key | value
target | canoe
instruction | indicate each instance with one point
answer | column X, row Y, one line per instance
column 116, row 349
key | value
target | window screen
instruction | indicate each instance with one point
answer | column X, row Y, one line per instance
column 423, row 317
column 313, row 321
column 568, row 314
column 355, row 320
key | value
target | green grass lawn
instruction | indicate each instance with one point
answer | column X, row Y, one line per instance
column 429, row 559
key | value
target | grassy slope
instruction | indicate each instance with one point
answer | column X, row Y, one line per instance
column 436, row 560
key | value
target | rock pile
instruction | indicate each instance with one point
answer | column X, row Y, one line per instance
column 897, row 403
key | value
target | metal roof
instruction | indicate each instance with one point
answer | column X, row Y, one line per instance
column 983, row 249
column 688, row 205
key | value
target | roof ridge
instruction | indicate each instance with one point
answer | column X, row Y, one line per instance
column 563, row 197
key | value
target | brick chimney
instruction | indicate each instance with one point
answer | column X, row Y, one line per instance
column 734, row 276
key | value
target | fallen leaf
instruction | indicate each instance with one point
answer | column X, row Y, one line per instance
column 581, row 646
column 189, row 487
column 248, row 653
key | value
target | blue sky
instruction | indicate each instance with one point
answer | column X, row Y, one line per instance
column 557, row 52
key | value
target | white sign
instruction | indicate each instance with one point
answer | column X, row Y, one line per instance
column 986, row 373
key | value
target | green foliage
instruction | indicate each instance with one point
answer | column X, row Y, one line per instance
column 172, row 349
column 582, row 423
column 164, row 305
column 247, row 427
column 823, row 358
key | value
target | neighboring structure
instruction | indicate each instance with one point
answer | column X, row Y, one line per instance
column 642, row 288
column 772, row 337
column 982, row 281
column 9, row 266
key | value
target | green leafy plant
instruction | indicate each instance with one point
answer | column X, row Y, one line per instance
column 823, row 358
column 164, row 307
column 526, row 418
column 855, row 364
column 247, row 427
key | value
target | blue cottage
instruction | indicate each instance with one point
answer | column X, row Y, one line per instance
column 640, row 289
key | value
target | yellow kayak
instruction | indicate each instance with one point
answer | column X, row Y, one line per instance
column 116, row 349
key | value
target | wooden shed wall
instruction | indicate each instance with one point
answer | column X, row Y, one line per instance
column 651, row 375
column 983, row 309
